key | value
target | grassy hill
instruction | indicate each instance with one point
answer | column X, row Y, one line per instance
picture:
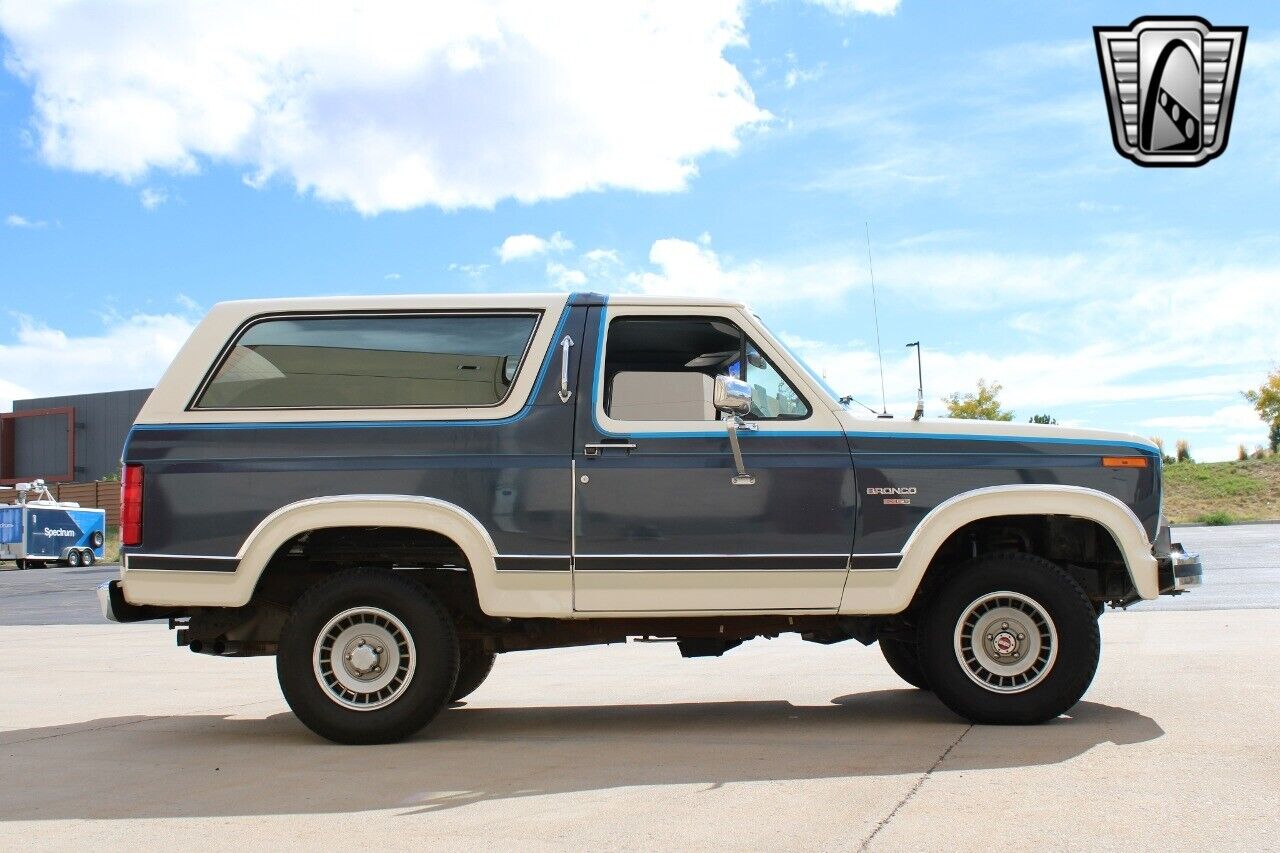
column 1222, row 492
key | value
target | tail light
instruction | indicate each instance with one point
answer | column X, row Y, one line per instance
column 131, row 505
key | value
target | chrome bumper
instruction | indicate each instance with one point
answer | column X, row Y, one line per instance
column 1179, row 571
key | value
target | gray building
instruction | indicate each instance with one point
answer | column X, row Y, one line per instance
column 75, row 438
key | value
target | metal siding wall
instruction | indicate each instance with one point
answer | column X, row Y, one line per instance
column 40, row 445
column 106, row 420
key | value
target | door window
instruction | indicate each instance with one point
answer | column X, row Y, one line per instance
column 664, row 369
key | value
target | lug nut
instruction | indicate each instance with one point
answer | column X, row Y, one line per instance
column 1022, row 636
column 377, row 650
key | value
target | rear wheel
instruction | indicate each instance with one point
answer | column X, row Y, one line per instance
column 367, row 657
column 903, row 658
column 474, row 666
column 89, row 557
column 1009, row 639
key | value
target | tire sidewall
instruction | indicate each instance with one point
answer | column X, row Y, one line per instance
column 435, row 647
column 1057, row 594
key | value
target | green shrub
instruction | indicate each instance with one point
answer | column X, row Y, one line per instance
column 1216, row 519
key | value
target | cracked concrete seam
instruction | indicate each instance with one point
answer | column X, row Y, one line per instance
column 866, row 843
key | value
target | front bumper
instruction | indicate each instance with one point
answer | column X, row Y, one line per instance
column 1179, row 570
column 116, row 609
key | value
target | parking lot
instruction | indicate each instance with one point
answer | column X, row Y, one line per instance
column 109, row 735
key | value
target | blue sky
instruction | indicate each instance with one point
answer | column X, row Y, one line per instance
column 153, row 163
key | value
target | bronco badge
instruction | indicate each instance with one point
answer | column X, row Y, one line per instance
column 1170, row 85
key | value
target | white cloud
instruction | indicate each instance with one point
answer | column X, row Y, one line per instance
column 563, row 277
column 1238, row 417
column 152, row 197
column 394, row 105
column 469, row 270
column 14, row 220
column 856, row 7
column 127, row 352
column 519, row 246
column 391, row 276
column 603, row 257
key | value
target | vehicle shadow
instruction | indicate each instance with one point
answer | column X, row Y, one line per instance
column 214, row 765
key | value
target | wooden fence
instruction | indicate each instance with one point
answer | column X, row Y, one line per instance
column 100, row 495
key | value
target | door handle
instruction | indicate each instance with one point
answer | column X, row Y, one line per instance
column 594, row 448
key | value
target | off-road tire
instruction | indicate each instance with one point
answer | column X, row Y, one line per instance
column 903, row 658
column 426, row 690
column 474, row 666
column 1059, row 684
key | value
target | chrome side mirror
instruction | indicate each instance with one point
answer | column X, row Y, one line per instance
column 731, row 396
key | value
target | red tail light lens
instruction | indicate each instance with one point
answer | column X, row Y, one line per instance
column 131, row 505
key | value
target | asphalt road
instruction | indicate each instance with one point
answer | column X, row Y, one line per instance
column 1242, row 570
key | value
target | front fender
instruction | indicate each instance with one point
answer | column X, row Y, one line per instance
column 871, row 591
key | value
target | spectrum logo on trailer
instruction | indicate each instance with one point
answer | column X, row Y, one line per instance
column 1171, row 86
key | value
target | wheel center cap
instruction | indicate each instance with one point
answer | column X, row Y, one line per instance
column 363, row 658
column 1005, row 643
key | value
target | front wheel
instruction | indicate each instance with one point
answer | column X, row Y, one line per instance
column 1010, row 639
column 367, row 657
column 73, row 559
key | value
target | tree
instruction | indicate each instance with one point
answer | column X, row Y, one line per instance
column 1184, row 451
column 1266, row 401
column 1042, row 419
column 982, row 406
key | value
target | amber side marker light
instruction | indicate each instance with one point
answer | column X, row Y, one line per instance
column 1124, row 462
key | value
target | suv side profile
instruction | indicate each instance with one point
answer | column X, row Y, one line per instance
column 388, row 492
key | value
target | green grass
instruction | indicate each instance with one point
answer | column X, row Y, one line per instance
column 1222, row 492
column 1216, row 519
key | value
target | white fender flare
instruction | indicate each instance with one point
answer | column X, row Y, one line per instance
column 891, row 591
column 536, row 593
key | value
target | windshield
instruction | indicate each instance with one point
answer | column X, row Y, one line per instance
column 813, row 374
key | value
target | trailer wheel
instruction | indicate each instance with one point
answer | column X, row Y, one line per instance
column 73, row 558
column 97, row 539
column 366, row 656
column 89, row 557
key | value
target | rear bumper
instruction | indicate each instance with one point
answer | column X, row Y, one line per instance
column 1179, row 571
column 116, row 609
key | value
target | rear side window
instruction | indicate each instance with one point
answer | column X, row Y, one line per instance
column 371, row 362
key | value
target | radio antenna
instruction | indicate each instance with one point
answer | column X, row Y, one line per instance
column 875, row 312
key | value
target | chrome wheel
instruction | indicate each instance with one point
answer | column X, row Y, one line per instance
column 364, row 658
column 1006, row 642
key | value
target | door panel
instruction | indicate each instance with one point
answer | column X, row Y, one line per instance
column 659, row 526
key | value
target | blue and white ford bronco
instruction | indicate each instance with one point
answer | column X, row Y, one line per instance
column 388, row 492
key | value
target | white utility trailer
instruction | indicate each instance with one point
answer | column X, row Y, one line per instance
column 41, row 530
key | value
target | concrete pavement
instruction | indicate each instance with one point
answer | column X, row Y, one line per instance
column 112, row 737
